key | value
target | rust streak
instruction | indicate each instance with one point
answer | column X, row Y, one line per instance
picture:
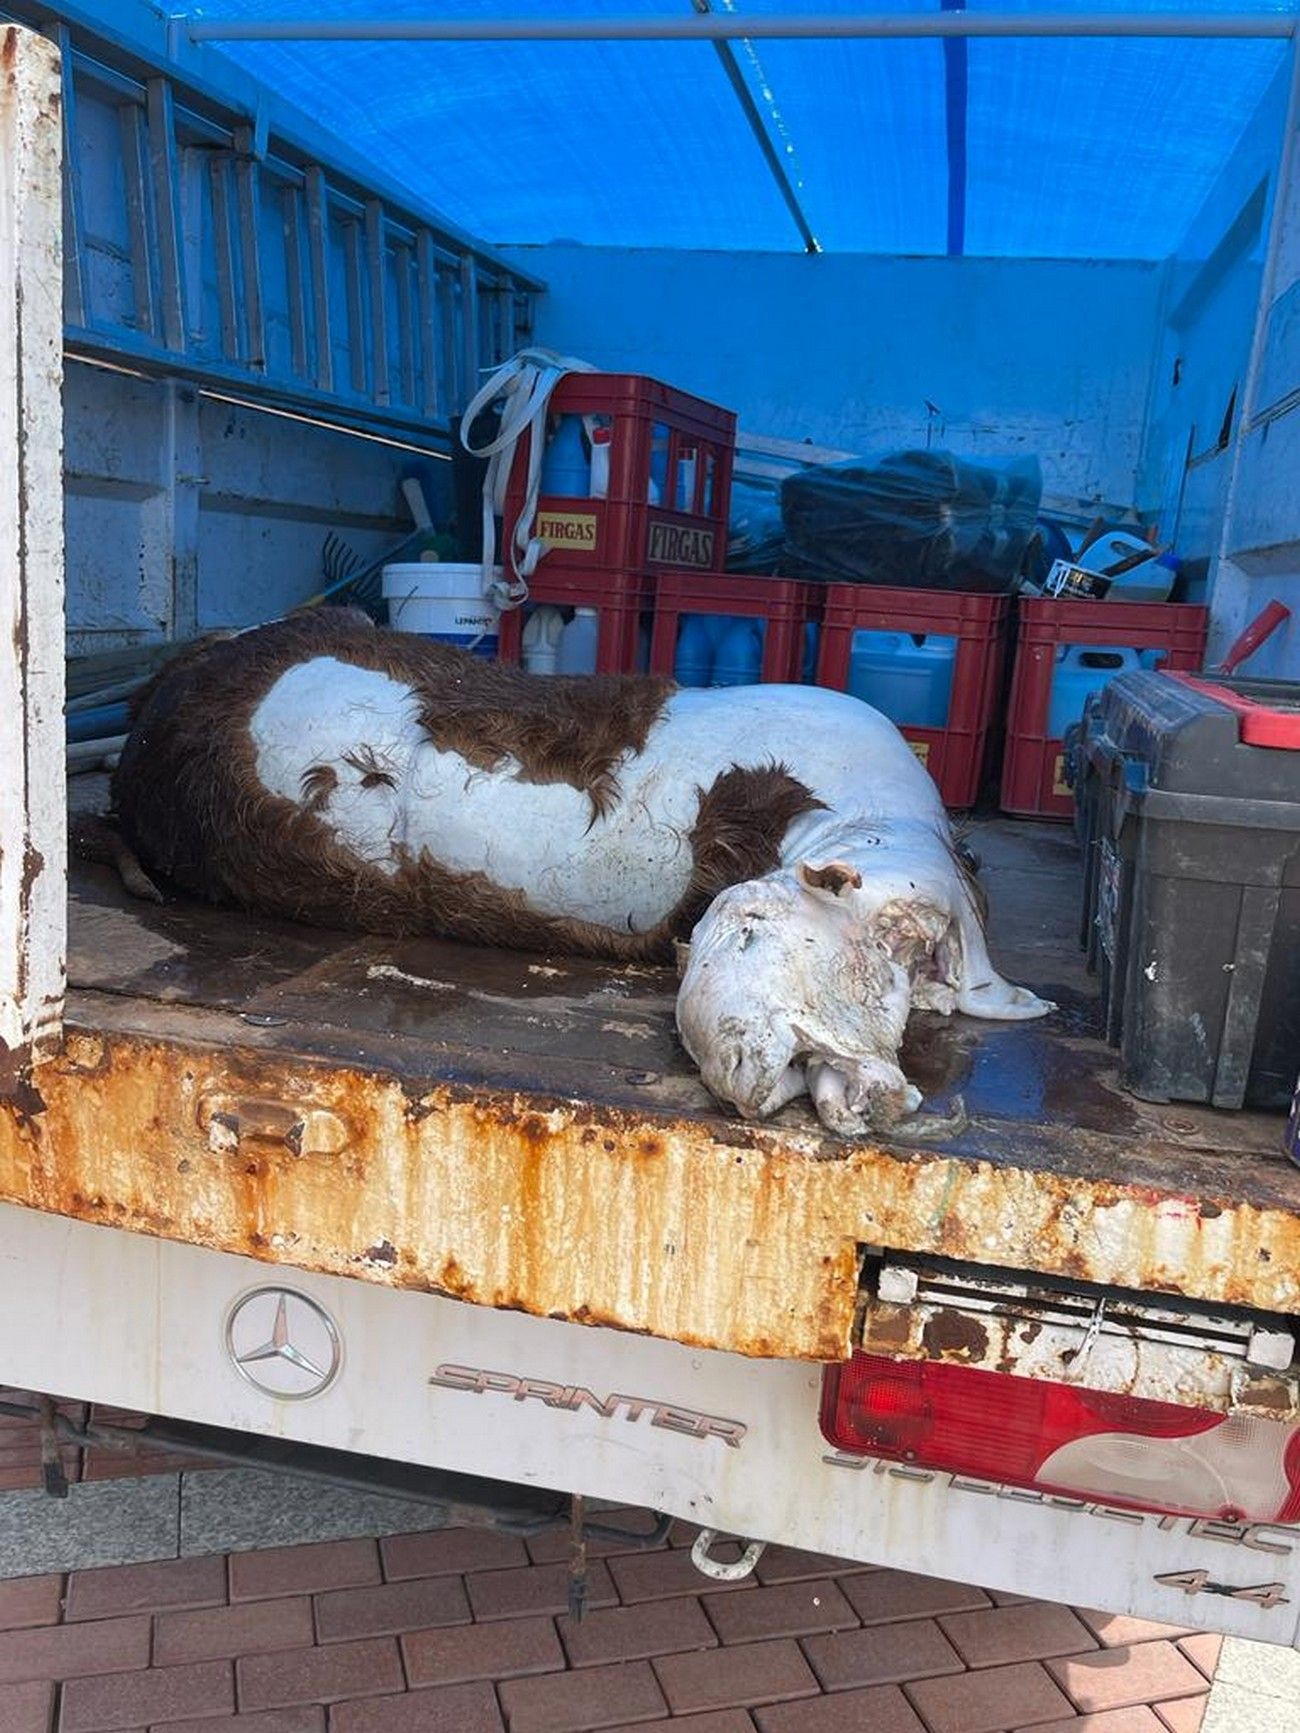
column 564, row 1210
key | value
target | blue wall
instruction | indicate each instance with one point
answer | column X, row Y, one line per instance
column 1200, row 369
column 1049, row 357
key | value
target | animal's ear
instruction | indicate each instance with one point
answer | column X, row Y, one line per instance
column 681, row 956
column 835, row 879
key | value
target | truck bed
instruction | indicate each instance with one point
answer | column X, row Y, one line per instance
column 525, row 1131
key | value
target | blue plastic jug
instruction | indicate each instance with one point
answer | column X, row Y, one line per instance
column 658, row 486
column 566, row 468
column 811, row 645
column 739, row 661
column 1080, row 670
column 696, row 646
column 906, row 675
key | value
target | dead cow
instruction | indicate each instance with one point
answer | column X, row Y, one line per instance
column 322, row 770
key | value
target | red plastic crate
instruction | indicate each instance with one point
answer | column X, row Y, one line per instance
column 623, row 531
column 1033, row 779
column 954, row 755
column 787, row 604
column 619, row 598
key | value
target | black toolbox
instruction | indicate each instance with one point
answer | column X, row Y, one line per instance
column 1187, row 807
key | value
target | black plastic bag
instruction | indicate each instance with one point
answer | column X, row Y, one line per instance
column 921, row 519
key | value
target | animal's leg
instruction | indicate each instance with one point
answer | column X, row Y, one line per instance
column 99, row 840
column 981, row 991
column 854, row 1097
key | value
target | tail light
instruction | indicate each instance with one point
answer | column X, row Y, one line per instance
column 1057, row 1438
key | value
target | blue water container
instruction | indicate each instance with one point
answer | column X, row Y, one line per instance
column 566, row 467
column 907, row 675
column 697, row 642
column 739, row 661
column 1082, row 669
column 811, row 645
column 659, row 465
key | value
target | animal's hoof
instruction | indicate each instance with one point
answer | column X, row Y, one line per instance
column 930, row 1127
column 999, row 1002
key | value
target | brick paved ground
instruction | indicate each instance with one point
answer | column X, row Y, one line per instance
column 465, row 1632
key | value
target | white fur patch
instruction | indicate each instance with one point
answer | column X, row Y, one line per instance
column 630, row 868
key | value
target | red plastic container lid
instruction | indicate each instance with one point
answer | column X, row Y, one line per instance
column 1260, row 724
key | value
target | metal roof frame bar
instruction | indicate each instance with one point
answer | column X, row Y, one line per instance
column 754, row 120
column 731, row 27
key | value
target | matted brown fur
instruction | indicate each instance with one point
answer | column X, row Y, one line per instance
column 189, row 802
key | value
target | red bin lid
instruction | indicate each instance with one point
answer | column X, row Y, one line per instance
column 1259, row 724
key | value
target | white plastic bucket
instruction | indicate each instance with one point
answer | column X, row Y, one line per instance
column 446, row 602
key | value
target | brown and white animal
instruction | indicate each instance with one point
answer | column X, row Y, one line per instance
column 322, row 770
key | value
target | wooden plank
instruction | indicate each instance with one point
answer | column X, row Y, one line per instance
column 426, row 272
column 469, row 330
column 376, row 277
column 166, row 203
column 402, row 266
column 318, row 254
column 354, row 268
column 135, row 168
column 248, row 195
column 33, row 846
column 76, row 288
column 223, row 242
column 296, row 281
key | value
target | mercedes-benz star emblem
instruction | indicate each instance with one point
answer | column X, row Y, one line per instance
column 283, row 1343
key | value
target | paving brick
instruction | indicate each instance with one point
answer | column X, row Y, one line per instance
column 1032, row 1632
column 634, row 1633
column 592, row 1697
column 1122, row 1630
column 989, row 1701
column 1185, row 1715
column 882, row 1710
column 536, row 1589
column 786, row 1610
column 881, row 1597
column 721, row 1721
column 1113, row 1678
column 658, row 1576
column 882, row 1655
column 454, row 1709
column 26, row 1708
column 391, row 1607
column 302, row 1570
column 509, row 1649
column 735, row 1677
column 787, row 1564
column 300, row 1718
column 114, row 1589
column 163, row 1694
column 1138, row 1719
column 222, row 1633
column 30, row 1601
column 449, row 1552
column 64, row 1651
column 325, row 1675
column 1203, row 1650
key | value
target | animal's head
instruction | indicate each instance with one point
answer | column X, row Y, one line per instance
column 790, row 984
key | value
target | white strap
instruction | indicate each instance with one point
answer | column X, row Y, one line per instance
column 525, row 382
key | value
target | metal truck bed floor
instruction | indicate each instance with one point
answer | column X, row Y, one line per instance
column 524, row 1131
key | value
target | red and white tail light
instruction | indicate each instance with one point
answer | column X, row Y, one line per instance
column 1060, row 1439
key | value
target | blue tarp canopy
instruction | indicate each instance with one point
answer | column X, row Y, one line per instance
column 1084, row 148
